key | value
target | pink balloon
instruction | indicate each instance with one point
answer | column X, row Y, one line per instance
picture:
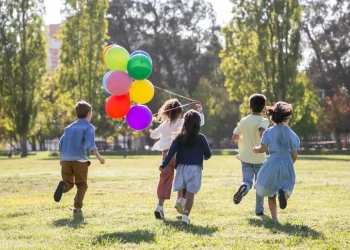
column 118, row 83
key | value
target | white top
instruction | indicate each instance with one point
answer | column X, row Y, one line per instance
column 166, row 133
column 248, row 130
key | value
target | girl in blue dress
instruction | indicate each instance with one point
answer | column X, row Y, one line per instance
column 277, row 176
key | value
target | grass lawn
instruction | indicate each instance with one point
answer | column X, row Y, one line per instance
column 119, row 203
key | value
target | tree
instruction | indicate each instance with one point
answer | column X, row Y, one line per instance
column 23, row 63
column 183, row 39
column 327, row 28
column 83, row 36
column 176, row 33
column 262, row 54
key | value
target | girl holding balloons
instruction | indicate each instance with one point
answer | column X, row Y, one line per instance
column 170, row 117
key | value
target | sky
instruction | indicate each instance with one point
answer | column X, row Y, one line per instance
column 53, row 7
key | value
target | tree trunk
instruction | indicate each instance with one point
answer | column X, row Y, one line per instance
column 33, row 143
column 41, row 143
column 338, row 140
column 24, row 148
column 345, row 142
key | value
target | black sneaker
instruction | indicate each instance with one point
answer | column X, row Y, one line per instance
column 239, row 195
column 282, row 199
column 260, row 214
column 59, row 191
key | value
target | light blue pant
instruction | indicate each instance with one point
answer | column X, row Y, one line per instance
column 250, row 172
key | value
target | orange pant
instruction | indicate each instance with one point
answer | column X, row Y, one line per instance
column 75, row 172
column 166, row 179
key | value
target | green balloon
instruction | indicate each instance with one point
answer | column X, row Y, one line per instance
column 139, row 67
column 117, row 58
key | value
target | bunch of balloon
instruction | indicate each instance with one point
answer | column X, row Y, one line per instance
column 118, row 82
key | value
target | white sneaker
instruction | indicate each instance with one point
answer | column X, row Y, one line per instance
column 185, row 220
column 180, row 205
column 158, row 212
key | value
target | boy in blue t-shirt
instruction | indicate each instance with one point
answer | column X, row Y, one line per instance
column 77, row 137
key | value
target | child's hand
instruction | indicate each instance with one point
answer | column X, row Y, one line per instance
column 255, row 150
column 161, row 169
column 102, row 161
column 199, row 107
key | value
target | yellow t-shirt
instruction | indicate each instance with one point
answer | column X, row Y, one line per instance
column 248, row 130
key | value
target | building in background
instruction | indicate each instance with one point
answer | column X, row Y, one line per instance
column 53, row 47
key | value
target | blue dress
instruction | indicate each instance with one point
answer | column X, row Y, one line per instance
column 278, row 171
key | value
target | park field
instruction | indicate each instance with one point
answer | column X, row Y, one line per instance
column 119, row 203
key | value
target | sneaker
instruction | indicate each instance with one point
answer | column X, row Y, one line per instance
column 77, row 212
column 282, row 199
column 239, row 195
column 159, row 213
column 261, row 214
column 59, row 191
column 180, row 205
column 185, row 220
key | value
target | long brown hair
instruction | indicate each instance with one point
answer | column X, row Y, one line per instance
column 190, row 129
column 279, row 112
column 170, row 111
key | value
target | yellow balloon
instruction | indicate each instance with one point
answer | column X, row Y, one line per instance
column 142, row 91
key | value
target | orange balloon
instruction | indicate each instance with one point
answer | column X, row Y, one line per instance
column 118, row 106
column 105, row 52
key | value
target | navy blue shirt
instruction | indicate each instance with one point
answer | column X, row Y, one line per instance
column 188, row 154
column 76, row 138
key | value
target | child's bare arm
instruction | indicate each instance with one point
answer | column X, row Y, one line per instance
column 98, row 156
column 260, row 149
column 294, row 156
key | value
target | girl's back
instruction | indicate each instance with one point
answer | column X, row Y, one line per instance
column 280, row 139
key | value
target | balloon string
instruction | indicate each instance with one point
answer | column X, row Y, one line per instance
column 184, row 105
column 167, row 91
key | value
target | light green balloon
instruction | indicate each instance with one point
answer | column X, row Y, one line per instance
column 117, row 58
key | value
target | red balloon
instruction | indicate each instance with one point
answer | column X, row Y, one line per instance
column 118, row 106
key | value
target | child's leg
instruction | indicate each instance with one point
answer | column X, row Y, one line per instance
column 189, row 203
column 247, row 182
column 273, row 208
column 181, row 194
column 166, row 182
column 80, row 173
column 259, row 206
column 193, row 179
column 67, row 175
column 67, row 182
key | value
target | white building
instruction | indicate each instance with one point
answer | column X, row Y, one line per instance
column 53, row 47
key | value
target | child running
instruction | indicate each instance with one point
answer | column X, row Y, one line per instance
column 190, row 148
column 248, row 134
column 277, row 176
column 77, row 137
column 171, row 122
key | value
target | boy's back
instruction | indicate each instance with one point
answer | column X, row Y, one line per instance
column 77, row 137
column 248, row 129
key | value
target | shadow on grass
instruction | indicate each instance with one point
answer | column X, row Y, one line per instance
column 193, row 229
column 320, row 158
column 75, row 222
column 295, row 230
column 135, row 237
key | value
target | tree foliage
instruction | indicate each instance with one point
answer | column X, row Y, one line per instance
column 262, row 54
column 23, row 64
column 175, row 32
column 327, row 28
column 83, row 37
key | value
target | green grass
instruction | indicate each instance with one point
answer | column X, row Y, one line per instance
column 118, row 211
